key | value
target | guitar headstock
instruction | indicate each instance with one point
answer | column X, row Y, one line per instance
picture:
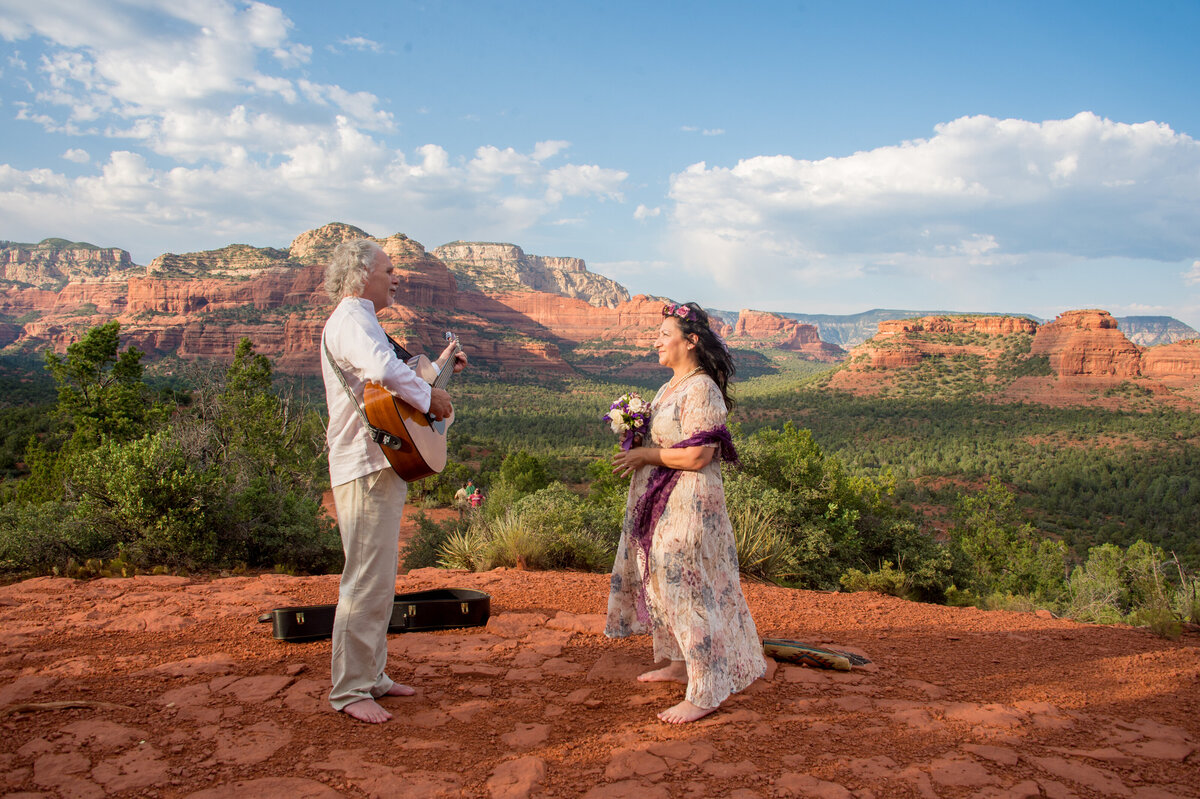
column 452, row 338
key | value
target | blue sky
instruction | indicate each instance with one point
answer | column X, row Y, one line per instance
column 806, row 157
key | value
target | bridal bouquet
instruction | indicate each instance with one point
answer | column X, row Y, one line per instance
column 629, row 417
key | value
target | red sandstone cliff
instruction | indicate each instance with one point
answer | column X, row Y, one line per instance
column 199, row 305
column 1087, row 344
column 1180, row 360
column 768, row 329
column 986, row 325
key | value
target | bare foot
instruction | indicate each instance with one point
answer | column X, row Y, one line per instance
column 676, row 672
column 684, row 712
column 399, row 690
column 367, row 710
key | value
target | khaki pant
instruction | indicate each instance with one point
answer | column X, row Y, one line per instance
column 368, row 511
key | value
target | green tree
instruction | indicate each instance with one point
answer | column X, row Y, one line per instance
column 101, row 397
column 997, row 552
column 100, row 389
column 521, row 474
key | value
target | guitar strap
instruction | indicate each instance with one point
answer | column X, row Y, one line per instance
column 376, row 434
column 401, row 353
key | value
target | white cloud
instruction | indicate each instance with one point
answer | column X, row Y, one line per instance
column 217, row 138
column 361, row 43
column 1192, row 276
column 642, row 212
column 577, row 180
column 980, row 193
column 548, row 149
column 713, row 132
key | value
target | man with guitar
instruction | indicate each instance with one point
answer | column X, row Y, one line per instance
column 368, row 493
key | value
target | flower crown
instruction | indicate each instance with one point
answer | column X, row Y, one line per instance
column 682, row 311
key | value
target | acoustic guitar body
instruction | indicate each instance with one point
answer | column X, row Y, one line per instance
column 422, row 449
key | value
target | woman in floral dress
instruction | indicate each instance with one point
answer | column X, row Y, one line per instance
column 676, row 572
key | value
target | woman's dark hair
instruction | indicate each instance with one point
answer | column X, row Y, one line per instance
column 711, row 351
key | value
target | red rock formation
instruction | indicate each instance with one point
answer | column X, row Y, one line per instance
column 1181, row 359
column 768, row 329
column 544, row 315
column 198, row 305
column 987, row 325
column 1087, row 344
column 900, row 356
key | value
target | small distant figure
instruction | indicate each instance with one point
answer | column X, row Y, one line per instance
column 460, row 497
column 476, row 499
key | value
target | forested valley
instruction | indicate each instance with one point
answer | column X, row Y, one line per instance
column 1089, row 512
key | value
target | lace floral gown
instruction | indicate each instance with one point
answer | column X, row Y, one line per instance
column 694, row 597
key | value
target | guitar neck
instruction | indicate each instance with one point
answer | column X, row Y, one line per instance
column 446, row 370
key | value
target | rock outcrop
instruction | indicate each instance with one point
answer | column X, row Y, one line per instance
column 52, row 263
column 985, row 325
column 761, row 329
column 491, row 267
column 1179, row 360
column 1087, row 344
column 904, row 343
column 1080, row 357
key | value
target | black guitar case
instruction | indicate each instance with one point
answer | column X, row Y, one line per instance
column 436, row 609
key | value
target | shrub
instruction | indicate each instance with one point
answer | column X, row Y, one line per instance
column 464, row 549
column 886, row 580
column 510, row 542
column 1131, row 585
column 763, row 552
column 1096, row 588
column 37, row 536
column 1186, row 601
column 566, row 533
column 548, row 529
column 423, row 547
column 148, row 495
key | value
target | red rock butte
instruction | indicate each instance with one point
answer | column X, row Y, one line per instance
column 1085, row 351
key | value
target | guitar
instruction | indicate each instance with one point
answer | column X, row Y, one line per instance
column 420, row 441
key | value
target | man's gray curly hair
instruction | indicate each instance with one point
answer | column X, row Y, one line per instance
column 348, row 268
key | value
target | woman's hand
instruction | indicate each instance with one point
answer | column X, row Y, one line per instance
column 628, row 462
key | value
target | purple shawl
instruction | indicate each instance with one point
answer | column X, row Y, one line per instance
column 649, row 508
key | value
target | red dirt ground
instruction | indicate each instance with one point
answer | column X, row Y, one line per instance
column 179, row 692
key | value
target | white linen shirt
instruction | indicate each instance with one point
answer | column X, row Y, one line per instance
column 360, row 348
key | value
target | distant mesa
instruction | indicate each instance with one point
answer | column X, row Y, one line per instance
column 850, row 330
column 52, row 263
column 489, row 267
